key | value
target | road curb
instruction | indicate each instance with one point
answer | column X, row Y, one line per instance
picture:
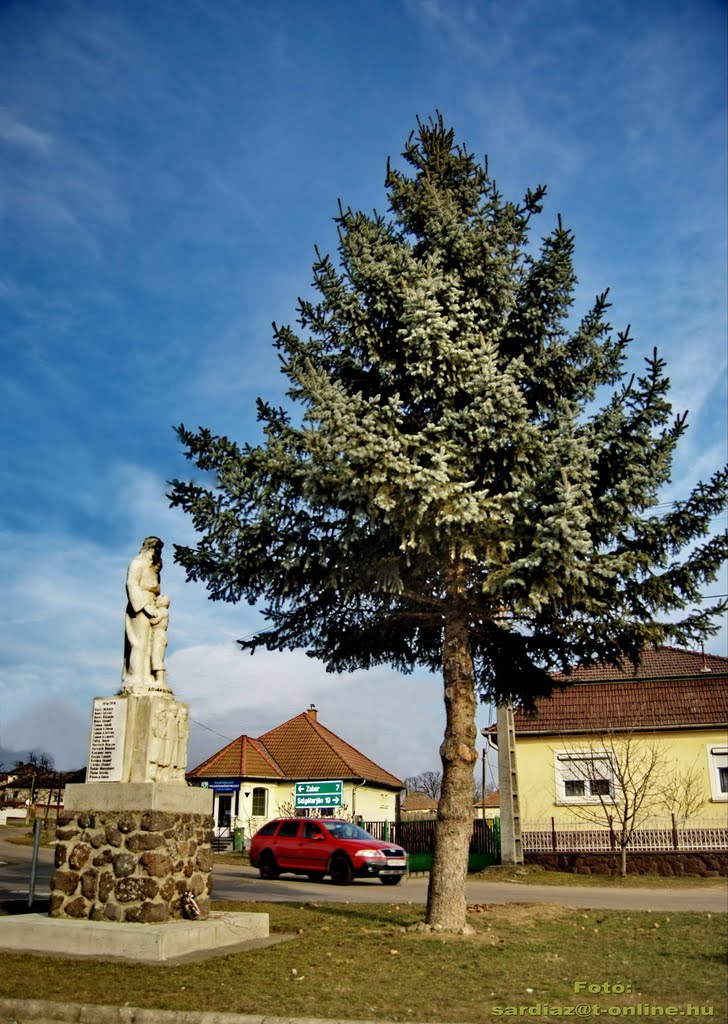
column 38, row 1011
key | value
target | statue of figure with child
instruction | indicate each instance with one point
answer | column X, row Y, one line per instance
column 145, row 624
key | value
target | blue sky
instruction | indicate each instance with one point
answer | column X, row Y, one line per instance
column 165, row 172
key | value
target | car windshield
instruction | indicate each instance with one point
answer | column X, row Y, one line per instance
column 343, row 830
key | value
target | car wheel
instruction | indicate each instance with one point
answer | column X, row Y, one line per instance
column 269, row 867
column 390, row 879
column 341, row 870
column 315, row 876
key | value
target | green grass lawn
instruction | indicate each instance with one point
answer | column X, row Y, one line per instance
column 531, row 874
column 360, row 961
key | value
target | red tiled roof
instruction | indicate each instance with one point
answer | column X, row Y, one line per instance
column 422, row 802
column 305, row 749
column 671, row 688
column 419, row 802
column 656, row 663
column 244, row 757
column 300, row 748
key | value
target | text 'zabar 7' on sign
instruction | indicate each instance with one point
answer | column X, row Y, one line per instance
column 319, row 793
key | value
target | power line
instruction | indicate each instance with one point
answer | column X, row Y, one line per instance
column 259, row 632
column 214, row 731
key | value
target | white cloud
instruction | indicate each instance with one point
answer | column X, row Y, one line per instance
column 397, row 720
column 16, row 132
column 144, row 199
column 62, row 611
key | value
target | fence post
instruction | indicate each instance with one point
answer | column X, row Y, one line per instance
column 612, row 837
column 553, row 836
column 675, row 843
column 385, row 832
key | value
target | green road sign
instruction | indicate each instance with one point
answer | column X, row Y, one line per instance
column 318, row 793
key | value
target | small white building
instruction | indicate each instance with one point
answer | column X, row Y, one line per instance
column 255, row 780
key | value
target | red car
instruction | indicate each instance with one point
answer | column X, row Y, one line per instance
column 325, row 846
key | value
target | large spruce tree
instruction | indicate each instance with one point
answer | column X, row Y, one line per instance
column 468, row 484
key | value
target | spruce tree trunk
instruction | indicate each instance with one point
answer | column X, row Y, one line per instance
column 446, row 894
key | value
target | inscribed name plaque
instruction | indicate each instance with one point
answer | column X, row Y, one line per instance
column 106, row 752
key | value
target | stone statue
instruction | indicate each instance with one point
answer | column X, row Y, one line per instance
column 145, row 624
column 167, row 752
column 159, row 639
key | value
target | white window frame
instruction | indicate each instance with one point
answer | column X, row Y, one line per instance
column 717, row 758
column 259, row 789
column 565, row 770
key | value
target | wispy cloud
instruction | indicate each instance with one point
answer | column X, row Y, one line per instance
column 162, row 184
column 367, row 709
column 16, row 133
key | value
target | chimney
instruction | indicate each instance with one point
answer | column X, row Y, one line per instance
column 312, row 712
column 706, row 667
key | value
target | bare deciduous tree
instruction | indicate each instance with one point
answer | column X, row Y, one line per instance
column 41, row 761
column 429, row 783
column 616, row 781
column 289, row 810
column 682, row 793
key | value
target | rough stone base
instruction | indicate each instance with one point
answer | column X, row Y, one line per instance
column 39, row 934
column 705, row 864
column 130, row 865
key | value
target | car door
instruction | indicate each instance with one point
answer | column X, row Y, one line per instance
column 286, row 845
column 313, row 847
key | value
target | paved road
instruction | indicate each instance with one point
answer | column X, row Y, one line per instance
column 243, row 883
column 15, row 870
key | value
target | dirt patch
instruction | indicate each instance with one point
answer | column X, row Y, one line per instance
column 516, row 913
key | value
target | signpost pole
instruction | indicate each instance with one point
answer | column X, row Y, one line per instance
column 34, row 862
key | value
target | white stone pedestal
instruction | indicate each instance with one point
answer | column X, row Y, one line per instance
column 138, row 738
column 173, row 797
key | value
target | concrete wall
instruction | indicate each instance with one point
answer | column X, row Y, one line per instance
column 19, row 813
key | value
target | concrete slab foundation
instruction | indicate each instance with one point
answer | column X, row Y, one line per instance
column 137, row 796
column 147, row 943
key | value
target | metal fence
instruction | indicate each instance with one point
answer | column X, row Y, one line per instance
column 419, row 836
column 549, row 837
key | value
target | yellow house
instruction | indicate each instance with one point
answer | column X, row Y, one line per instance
column 656, row 736
column 254, row 780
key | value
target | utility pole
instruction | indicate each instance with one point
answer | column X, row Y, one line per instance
column 482, row 785
column 510, row 814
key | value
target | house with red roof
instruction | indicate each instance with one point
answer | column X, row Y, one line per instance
column 675, row 703
column 487, row 807
column 418, row 806
column 294, row 769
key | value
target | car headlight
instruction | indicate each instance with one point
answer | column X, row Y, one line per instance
column 369, row 853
